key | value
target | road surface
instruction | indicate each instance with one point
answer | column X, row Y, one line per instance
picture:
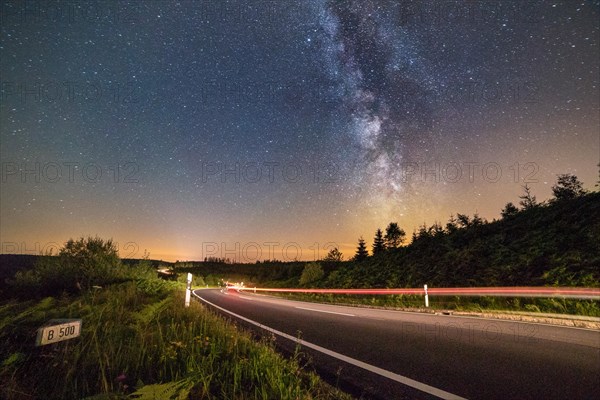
column 402, row 355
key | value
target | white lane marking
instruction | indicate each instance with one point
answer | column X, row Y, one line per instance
column 323, row 311
column 379, row 371
column 246, row 298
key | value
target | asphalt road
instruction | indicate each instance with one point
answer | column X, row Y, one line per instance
column 402, row 355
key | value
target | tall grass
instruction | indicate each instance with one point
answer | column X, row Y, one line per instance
column 138, row 341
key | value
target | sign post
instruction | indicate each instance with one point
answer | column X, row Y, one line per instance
column 57, row 330
column 426, row 296
column 188, row 291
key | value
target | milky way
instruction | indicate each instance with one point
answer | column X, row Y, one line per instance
column 384, row 92
column 175, row 124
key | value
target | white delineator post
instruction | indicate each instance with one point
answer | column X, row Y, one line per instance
column 188, row 291
column 426, row 296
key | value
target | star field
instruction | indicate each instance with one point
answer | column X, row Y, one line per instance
column 175, row 126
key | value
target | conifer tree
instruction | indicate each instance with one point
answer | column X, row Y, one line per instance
column 509, row 210
column 361, row 251
column 378, row 243
column 528, row 200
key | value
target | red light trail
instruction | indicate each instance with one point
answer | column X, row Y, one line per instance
column 566, row 292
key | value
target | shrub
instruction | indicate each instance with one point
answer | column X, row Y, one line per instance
column 312, row 272
column 80, row 265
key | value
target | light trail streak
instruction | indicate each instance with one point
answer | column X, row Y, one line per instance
column 564, row 292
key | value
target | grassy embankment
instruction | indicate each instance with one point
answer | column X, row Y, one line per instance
column 138, row 341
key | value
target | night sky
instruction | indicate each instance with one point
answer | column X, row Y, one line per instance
column 231, row 128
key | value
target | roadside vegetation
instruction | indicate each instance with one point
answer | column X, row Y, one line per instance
column 138, row 341
column 588, row 308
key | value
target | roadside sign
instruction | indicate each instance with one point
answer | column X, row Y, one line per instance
column 57, row 330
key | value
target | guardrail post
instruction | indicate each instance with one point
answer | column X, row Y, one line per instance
column 426, row 296
column 188, row 291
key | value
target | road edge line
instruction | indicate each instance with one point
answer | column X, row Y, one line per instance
column 371, row 368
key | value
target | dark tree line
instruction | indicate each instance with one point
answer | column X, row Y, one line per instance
column 393, row 238
column 567, row 187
